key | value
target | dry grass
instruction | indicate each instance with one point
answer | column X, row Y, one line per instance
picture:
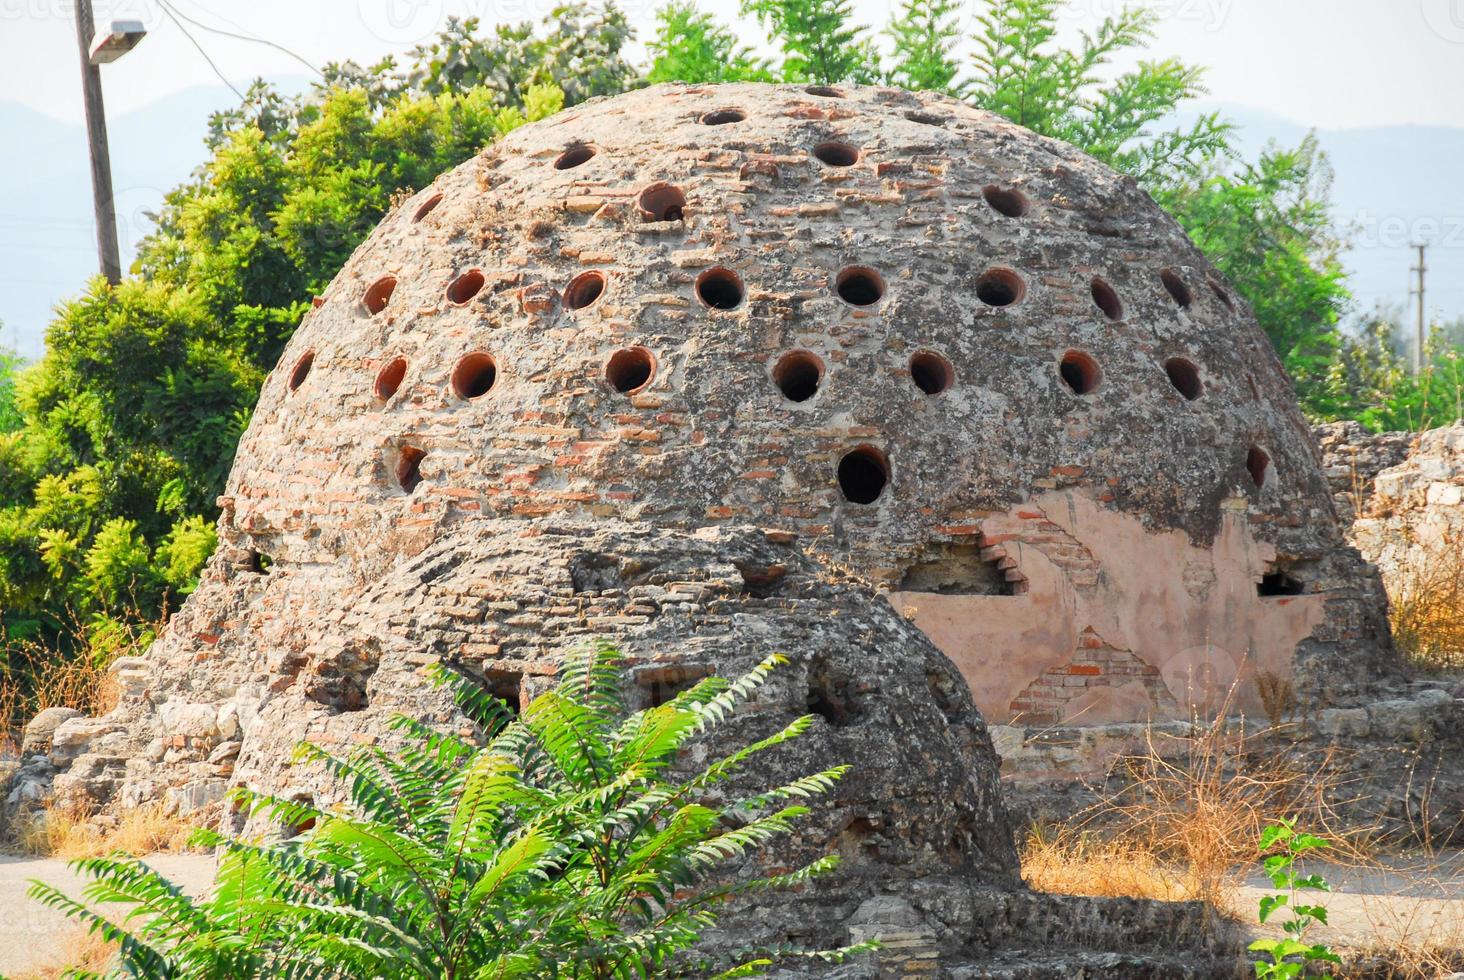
column 1074, row 863
column 34, row 676
column 1426, row 599
column 77, row 950
column 67, row 833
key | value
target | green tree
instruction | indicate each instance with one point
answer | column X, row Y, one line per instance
column 690, row 47
column 1268, row 227
column 567, row 846
column 925, row 33
column 818, row 40
column 1064, row 93
column 10, row 364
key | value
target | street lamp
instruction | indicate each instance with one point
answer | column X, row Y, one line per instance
column 100, row 51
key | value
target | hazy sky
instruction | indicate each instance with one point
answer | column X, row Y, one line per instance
column 1327, row 63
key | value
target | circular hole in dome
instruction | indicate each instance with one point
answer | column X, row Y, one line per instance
column 661, row 202
column 836, row 154
column 1000, row 287
column 574, row 156
column 584, row 289
column 863, row 474
column 301, row 371
column 931, row 373
column 926, row 118
column 1222, row 294
column 378, row 294
column 427, row 207
column 824, row 91
column 719, row 288
column 465, row 287
column 1107, row 299
column 721, row 117
column 860, row 285
column 1258, row 464
column 474, row 376
column 389, row 378
column 1176, row 287
column 408, row 467
column 798, row 374
column 630, row 369
column 1079, row 372
column 1185, row 377
column 1006, row 200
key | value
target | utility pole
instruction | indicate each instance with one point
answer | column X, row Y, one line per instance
column 1418, row 344
column 101, row 160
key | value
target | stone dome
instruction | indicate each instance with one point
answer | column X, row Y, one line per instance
column 855, row 375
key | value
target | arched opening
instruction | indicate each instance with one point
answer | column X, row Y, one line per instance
column 1185, row 377
column 1107, row 299
column 1221, row 293
column 824, row 92
column 465, row 287
column 863, row 475
column 584, row 289
column 1279, row 582
column 1258, row 465
column 408, row 467
column 301, row 371
column 798, row 374
column 1000, row 287
column 389, row 378
column 860, row 285
column 662, row 202
column 574, row 156
column 719, row 288
column 1079, row 372
column 474, row 376
column 1177, row 287
column 630, row 369
column 378, row 294
column 721, row 117
column 427, row 207
column 1006, row 200
column 836, row 154
column 931, row 373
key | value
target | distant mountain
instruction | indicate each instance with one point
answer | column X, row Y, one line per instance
column 1395, row 184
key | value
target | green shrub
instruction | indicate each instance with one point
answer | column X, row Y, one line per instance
column 565, row 847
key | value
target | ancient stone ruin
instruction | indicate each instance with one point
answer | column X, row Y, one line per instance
column 853, row 374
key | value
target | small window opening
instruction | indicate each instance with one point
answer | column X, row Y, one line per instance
column 721, row 117
column 574, row 156
column 836, row 154
column 860, row 286
column 798, row 374
column 389, row 379
column 584, row 289
column 629, row 370
column 378, row 294
column 1079, row 372
column 1177, row 288
column 427, row 207
column 1279, row 582
column 662, row 202
column 719, row 288
column 465, row 287
column 863, row 474
column 1107, row 299
column 302, row 370
column 1258, row 464
column 1185, row 377
column 1006, row 200
column 1000, row 287
column 474, row 376
column 931, row 373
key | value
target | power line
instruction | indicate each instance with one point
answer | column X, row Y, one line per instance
column 241, row 37
column 169, row 11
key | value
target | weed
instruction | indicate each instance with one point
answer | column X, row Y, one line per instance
column 1291, row 955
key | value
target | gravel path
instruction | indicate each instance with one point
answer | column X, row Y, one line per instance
column 31, row 935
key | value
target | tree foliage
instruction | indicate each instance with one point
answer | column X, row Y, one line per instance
column 567, row 846
column 689, row 46
column 924, row 35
